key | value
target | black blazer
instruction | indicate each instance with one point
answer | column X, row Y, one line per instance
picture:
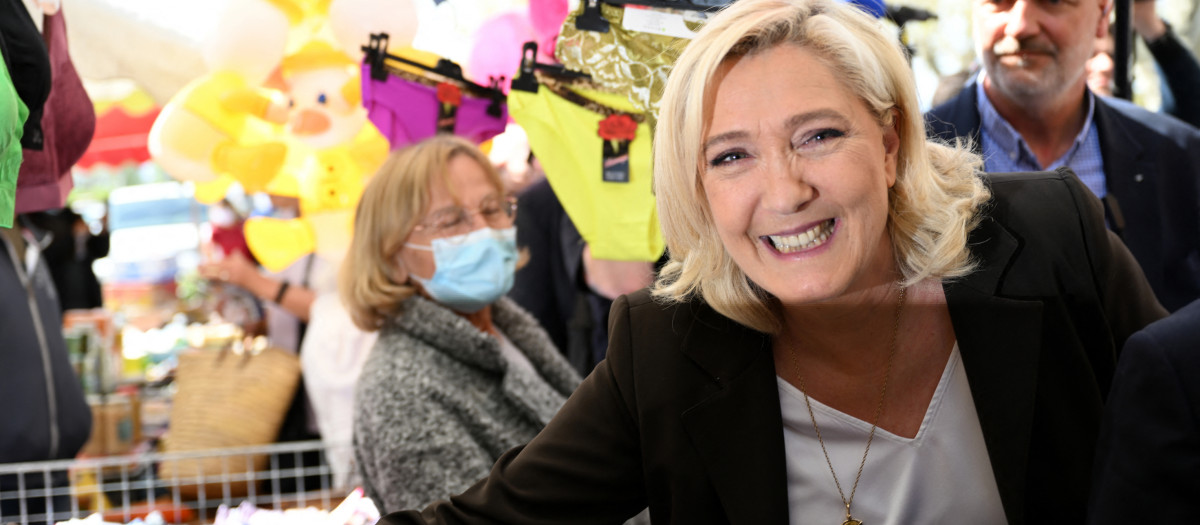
column 1152, row 169
column 1148, row 457
column 684, row 413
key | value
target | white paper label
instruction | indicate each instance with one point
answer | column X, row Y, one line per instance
column 32, row 253
column 658, row 23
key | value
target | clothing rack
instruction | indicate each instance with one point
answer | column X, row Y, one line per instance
column 376, row 55
column 527, row 81
column 591, row 20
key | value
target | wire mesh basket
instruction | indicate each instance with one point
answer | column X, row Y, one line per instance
column 122, row 488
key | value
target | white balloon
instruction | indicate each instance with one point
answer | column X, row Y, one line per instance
column 250, row 38
column 353, row 22
column 442, row 34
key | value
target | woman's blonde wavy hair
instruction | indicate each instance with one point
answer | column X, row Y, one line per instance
column 934, row 203
column 370, row 281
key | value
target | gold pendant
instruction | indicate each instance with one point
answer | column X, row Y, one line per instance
column 851, row 521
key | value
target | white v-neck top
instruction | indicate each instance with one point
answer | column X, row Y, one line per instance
column 940, row 476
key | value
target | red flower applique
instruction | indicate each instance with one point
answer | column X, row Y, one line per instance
column 448, row 93
column 618, row 127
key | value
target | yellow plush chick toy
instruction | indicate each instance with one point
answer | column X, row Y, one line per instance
column 224, row 125
column 335, row 150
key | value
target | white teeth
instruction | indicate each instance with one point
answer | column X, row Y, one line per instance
column 815, row 236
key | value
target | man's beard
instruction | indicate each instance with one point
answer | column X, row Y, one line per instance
column 1017, row 75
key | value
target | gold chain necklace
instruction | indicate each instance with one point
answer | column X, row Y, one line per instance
column 874, row 423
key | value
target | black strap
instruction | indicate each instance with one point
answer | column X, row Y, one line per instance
column 1113, row 214
column 283, row 287
column 690, row 5
column 586, row 103
column 303, row 328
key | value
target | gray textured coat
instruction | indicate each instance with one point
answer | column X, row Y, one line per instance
column 437, row 404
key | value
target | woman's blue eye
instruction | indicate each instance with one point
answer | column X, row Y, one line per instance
column 726, row 158
column 321, row 98
column 828, row 134
column 824, row 135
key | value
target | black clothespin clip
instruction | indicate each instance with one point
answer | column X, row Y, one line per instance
column 689, row 5
column 449, row 69
column 497, row 96
column 526, row 80
column 376, row 52
column 377, row 55
column 591, row 19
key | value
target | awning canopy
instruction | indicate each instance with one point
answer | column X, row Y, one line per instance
column 120, row 138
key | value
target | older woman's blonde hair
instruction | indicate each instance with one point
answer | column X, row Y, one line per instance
column 371, row 283
column 934, row 203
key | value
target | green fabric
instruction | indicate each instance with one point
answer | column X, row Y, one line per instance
column 12, row 121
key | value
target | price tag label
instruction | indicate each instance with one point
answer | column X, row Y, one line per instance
column 655, row 22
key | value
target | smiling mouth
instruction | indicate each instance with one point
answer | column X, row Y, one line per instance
column 805, row 240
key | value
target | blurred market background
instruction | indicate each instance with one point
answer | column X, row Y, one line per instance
column 134, row 56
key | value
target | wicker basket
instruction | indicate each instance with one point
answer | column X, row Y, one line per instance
column 227, row 399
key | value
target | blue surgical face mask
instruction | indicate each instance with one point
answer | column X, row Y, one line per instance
column 473, row 269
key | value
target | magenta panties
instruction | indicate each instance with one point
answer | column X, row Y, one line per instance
column 406, row 111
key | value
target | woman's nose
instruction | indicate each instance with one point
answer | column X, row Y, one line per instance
column 787, row 189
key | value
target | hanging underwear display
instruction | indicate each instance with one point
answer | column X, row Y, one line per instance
column 407, row 107
column 68, row 123
column 595, row 149
column 28, row 64
column 12, row 121
column 623, row 60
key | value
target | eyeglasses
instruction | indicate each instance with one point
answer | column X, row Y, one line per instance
column 497, row 212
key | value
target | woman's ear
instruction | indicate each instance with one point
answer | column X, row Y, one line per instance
column 398, row 272
column 891, row 144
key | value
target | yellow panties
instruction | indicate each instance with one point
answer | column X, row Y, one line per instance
column 617, row 219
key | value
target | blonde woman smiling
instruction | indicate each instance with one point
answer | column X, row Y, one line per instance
column 855, row 326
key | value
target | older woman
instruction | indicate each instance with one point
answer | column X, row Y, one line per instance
column 459, row 373
column 854, row 327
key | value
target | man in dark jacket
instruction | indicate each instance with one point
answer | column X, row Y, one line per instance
column 1031, row 110
column 46, row 416
column 1149, row 448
